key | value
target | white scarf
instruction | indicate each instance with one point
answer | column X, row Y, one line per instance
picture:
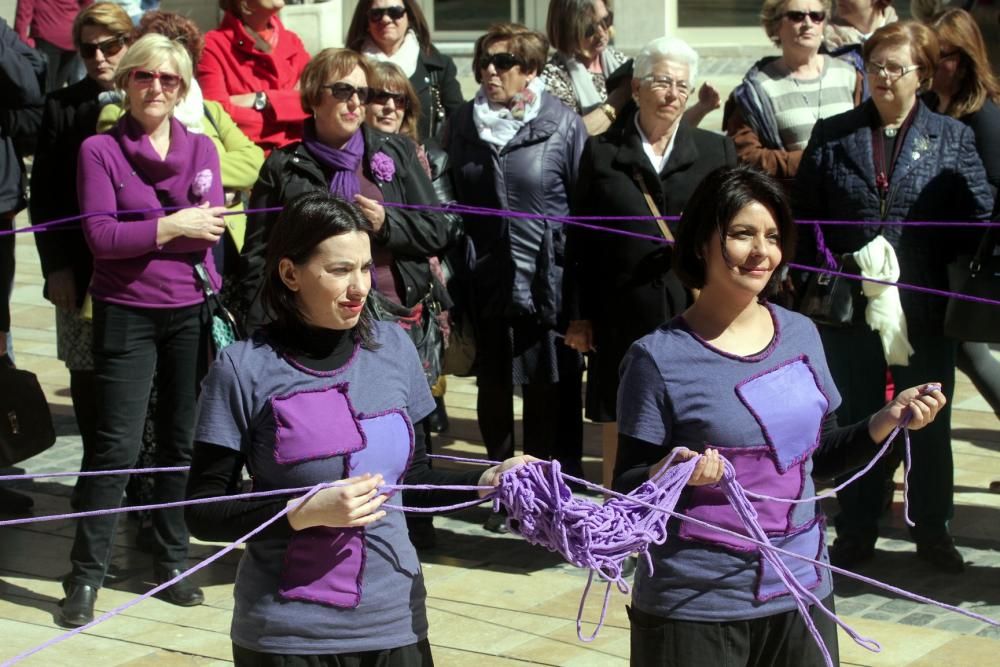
column 583, row 79
column 405, row 57
column 495, row 123
column 191, row 110
column 884, row 313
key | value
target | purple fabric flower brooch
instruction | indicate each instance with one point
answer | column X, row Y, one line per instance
column 383, row 167
column 202, row 183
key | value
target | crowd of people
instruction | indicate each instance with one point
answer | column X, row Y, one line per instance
column 350, row 281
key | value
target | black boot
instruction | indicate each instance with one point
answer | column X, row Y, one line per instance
column 77, row 608
column 183, row 593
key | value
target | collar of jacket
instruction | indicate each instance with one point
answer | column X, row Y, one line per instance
column 920, row 141
column 630, row 154
column 432, row 58
column 241, row 39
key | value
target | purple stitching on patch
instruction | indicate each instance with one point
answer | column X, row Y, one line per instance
column 280, row 425
column 795, row 566
column 759, row 356
column 781, row 465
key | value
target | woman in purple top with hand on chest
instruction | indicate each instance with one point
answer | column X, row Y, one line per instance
column 148, row 304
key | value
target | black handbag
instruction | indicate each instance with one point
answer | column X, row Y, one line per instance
column 977, row 276
column 25, row 420
column 424, row 330
column 829, row 299
column 225, row 327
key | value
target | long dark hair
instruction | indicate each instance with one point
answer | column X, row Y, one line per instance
column 305, row 222
column 358, row 29
column 718, row 199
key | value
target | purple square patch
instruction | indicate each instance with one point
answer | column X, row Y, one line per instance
column 315, row 424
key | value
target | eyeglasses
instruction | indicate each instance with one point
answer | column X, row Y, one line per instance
column 400, row 100
column 144, row 77
column 606, row 23
column 799, row 17
column 665, row 82
column 501, row 61
column 395, row 13
column 345, row 91
column 108, row 47
column 891, row 71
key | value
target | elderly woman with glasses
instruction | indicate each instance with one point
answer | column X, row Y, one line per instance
column 771, row 113
column 655, row 152
column 365, row 166
column 396, row 31
column 101, row 33
column 892, row 160
column 148, row 304
column 251, row 66
column 516, row 147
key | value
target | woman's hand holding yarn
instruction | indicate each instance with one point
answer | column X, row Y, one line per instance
column 352, row 503
column 491, row 476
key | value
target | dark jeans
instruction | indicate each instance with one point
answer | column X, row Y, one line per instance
column 413, row 655
column 552, row 415
column 129, row 345
column 779, row 640
column 858, row 367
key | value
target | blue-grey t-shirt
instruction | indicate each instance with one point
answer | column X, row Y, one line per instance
column 325, row 590
column 764, row 413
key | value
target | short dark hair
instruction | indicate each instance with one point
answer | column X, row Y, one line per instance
column 357, row 32
column 567, row 22
column 175, row 26
column 718, row 199
column 530, row 46
column 304, row 223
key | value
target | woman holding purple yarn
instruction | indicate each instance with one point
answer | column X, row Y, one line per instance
column 736, row 375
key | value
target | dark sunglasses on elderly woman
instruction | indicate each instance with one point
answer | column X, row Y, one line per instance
column 799, row 17
column 606, row 24
column 144, row 77
column 344, row 91
column 395, row 13
column 108, row 47
column 400, row 100
column 500, row 61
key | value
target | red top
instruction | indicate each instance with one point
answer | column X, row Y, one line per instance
column 51, row 20
column 231, row 65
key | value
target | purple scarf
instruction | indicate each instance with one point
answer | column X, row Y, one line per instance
column 343, row 162
column 171, row 177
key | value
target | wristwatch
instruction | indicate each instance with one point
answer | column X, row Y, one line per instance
column 260, row 101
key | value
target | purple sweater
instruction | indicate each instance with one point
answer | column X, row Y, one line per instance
column 121, row 171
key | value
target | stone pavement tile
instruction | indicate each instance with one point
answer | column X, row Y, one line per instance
column 964, row 651
column 481, row 627
column 81, row 650
column 567, row 605
column 446, row 656
column 900, row 643
column 171, row 659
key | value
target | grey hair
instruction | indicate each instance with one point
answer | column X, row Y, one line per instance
column 666, row 48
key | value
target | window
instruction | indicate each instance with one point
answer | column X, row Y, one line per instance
column 471, row 16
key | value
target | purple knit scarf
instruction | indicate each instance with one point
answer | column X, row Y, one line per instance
column 343, row 162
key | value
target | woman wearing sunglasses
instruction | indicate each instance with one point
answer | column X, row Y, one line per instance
column 890, row 160
column 361, row 164
column 101, row 34
column 516, row 147
column 148, row 304
column 251, row 65
column 396, row 31
column 771, row 113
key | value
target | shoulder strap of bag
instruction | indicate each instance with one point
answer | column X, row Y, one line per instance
column 211, row 120
column 653, row 208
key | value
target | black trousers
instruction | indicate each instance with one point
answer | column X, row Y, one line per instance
column 780, row 640
column 858, row 367
column 129, row 345
column 413, row 655
column 552, row 415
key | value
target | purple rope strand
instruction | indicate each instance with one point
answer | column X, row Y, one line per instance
column 92, row 473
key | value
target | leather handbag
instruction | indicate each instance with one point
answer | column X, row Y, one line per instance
column 829, row 299
column 977, row 276
column 420, row 323
column 225, row 328
column 25, row 420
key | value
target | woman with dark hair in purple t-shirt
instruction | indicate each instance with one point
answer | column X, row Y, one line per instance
column 323, row 392
column 750, row 380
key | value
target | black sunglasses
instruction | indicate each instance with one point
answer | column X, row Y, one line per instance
column 500, row 61
column 383, row 96
column 395, row 13
column 799, row 17
column 108, row 47
column 607, row 22
column 345, row 91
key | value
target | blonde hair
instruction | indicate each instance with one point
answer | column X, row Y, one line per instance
column 106, row 15
column 148, row 52
column 773, row 11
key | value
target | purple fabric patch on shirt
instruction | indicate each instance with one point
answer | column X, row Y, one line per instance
column 315, row 424
column 807, row 541
column 789, row 406
column 755, row 471
column 324, row 565
column 389, row 450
